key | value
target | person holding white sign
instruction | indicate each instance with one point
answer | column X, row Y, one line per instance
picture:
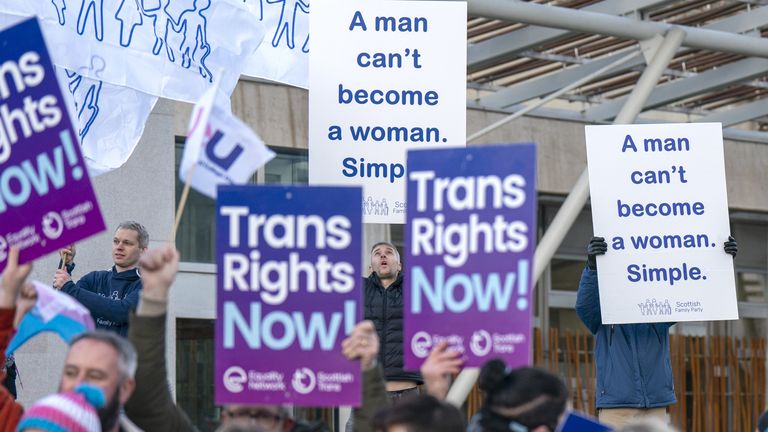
column 634, row 371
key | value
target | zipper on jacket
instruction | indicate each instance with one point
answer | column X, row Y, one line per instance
column 640, row 371
column 384, row 327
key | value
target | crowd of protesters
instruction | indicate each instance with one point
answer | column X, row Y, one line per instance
column 115, row 378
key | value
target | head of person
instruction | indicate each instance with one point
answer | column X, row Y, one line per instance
column 66, row 411
column 267, row 418
column 385, row 260
column 421, row 413
column 106, row 361
column 526, row 398
column 762, row 422
column 131, row 239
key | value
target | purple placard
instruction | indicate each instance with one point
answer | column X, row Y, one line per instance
column 288, row 293
column 46, row 198
column 471, row 226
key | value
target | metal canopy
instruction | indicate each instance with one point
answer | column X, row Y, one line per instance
column 522, row 51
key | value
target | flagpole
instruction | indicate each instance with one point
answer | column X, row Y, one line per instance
column 180, row 207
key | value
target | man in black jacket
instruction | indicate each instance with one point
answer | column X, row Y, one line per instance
column 384, row 306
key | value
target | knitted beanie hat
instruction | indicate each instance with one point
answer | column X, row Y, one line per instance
column 73, row 411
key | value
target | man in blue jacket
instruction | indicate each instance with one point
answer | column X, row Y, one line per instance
column 110, row 294
column 634, row 372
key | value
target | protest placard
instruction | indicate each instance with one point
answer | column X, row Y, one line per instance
column 659, row 199
column 46, row 197
column 469, row 248
column 288, row 293
column 384, row 77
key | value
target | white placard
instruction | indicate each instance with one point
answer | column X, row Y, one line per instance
column 659, row 199
column 384, row 77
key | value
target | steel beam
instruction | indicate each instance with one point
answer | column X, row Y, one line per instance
column 546, row 84
column 626, row 28
column 505, row 46
column 682, row 88
column 740, row 114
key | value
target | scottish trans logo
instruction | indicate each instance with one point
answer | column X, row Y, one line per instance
column 653, row 307
column 304, row 380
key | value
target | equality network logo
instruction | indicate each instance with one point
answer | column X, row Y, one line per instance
column 234, row 379
column 653, row 307
column 421, row 344
column 304, row 380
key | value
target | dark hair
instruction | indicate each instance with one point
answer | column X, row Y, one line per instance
column 528, row 396
column 420, row 413
column 397, row 253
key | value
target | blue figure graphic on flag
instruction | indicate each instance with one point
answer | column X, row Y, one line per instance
column 129, row 15
column 192, row 24
column 287, row 25
column 96, row 9
column 86, row 97
column 160, row 23
column 60, row 5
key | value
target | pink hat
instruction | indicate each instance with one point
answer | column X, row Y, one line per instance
column 73, row 411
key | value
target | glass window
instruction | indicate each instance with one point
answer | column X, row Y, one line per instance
column 194, row 372
column 287, row 167
column 196, row 235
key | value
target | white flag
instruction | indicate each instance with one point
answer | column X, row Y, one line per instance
column 220, row 149
column 283, row 56
column 110, row 118
column 167, row 48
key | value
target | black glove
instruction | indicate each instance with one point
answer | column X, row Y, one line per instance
column 597, row 246
column 731, row 247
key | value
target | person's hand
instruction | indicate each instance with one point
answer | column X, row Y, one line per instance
column 438, row 367
column 363, row 344
column 158, row 269
column 731, row 248
column 13, row 278
column 67, row 254
column 60, row 278
column 597, row 246
column 25, row 302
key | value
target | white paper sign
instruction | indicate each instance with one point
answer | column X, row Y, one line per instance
column 659, row 199
column 384, row 77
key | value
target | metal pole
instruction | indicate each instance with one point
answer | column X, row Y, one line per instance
column 581, row 81
column 580, row 192
column 609, row 25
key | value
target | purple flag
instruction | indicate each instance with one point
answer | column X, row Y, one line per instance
column 46, row 198
column 471, row 228
column 288, row 293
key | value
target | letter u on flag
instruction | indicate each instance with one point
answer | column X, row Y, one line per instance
column 220, row 149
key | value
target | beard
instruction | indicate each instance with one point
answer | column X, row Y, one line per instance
column 110, row 412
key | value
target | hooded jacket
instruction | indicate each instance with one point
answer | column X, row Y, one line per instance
column 632, row 360
column 385, row 308
column 109, row 295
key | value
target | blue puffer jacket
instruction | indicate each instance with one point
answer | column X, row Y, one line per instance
column 632, row 360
